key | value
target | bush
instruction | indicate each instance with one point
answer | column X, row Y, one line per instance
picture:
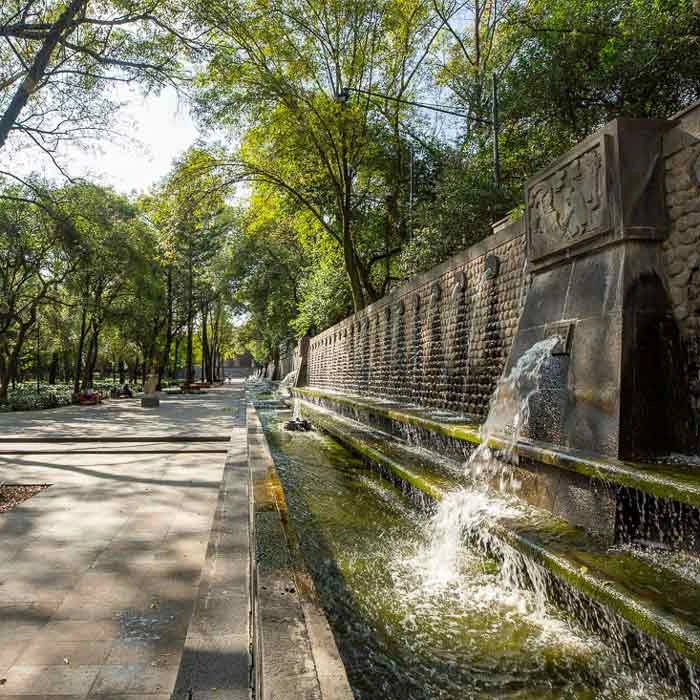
column 24, row 397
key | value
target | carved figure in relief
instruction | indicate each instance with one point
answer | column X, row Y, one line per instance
column 544, row 218
column 592, row 184
column 566, row 205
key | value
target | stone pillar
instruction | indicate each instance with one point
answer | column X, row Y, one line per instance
column 301, row 362
column 150, row 397
column 595, row 222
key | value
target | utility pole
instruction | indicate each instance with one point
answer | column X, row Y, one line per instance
column 494, row 126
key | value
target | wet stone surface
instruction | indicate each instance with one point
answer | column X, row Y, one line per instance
column 402, row 631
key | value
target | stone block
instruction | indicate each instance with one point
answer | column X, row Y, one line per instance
column 609, row 187
column 596, row 218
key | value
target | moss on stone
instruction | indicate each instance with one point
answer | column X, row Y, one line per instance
column 674, row 482
column 659, row 603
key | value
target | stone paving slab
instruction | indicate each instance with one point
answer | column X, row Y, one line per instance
column 103, row 447
column 192, row 415
column 217, row 661
column 100, row 573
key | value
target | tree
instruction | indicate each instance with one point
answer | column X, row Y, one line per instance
column 190, row 213
column 582, row 64
column 278, row 69
column 35, row 260
column 58, row 58
column 110, row 265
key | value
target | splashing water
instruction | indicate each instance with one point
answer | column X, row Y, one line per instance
column 468, row 515
column 509, row 411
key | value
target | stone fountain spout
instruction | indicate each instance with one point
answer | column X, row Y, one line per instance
column 595, row 223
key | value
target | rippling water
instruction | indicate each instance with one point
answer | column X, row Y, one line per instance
column 407, row 631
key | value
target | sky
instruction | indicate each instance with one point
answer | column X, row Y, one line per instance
column 159, row 128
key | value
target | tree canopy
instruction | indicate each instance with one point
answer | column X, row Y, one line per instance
column 332, row 181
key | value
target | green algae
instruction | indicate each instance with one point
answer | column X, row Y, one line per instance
column 668, row 481
column 660, row 603
column 399, row 642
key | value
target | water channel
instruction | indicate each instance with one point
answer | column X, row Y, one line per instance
column 413, row 623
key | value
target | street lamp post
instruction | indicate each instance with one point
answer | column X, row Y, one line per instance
column 343, row 97
column 37, row 356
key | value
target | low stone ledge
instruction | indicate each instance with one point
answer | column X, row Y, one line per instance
column 296, row 654
column 677, row 482
column 658, row 606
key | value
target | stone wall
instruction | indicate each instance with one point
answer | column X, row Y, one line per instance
column 441, row 340
column 682, row 248
column 608, row 252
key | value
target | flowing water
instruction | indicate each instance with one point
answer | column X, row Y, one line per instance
column 417, row 614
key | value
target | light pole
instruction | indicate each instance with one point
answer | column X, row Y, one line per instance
column 343, row 97
column 37, row 355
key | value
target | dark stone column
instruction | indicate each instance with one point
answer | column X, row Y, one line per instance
column 595, row 220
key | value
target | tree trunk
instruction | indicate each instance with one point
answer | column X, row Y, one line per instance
column 359, row 300
column 10, row 363
column 79, row 353
column 4, row 378
column 38, row 68
column 216, row 326
column 176, row 358
column 91, row 359
column 168, row 330
column 189, row 370
column 206, row 364
column 53, row 367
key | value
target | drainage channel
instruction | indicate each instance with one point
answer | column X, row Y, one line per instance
column 410, row 630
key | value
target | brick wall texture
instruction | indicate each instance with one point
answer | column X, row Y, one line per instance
column 440, row 341
column 443, row 339
column 682, row 247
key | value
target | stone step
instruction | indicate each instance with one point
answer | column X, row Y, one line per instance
column 630, row 593
column 651, row 502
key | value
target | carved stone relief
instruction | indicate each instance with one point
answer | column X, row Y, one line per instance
column 568, row 205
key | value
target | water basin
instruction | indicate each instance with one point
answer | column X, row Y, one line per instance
column 406, row 628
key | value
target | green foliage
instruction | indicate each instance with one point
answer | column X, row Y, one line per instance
column 324, row 295
column 24, row 397
column 59, row 58
column 345, row 194
column 580, row 64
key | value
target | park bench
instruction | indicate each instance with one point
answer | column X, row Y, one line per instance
column 87, row 398
column 195, row 386
column 120, row 394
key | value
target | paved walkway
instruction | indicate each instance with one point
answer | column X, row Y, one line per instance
column 100, row 573
column 209, row 414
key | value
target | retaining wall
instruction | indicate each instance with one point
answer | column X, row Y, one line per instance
column 682, row 247
column 441, row 340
